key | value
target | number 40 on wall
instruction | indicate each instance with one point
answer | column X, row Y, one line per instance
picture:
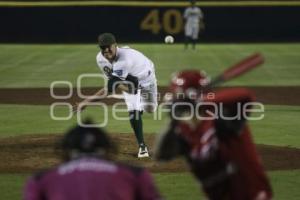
column 171, row 21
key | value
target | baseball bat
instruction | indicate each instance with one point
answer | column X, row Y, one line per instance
column 238, row 69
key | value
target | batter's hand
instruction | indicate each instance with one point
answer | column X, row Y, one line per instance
column 168, row 145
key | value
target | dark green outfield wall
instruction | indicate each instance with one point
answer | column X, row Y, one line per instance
column 82, row 24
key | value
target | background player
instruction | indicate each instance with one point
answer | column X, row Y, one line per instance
column 220, row 151
column 87, row 173
column 193, row 17
column 121, row 65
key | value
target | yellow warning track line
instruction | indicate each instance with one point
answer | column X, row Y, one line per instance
column 148, row 4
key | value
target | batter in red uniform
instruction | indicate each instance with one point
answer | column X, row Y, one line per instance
column 216, row 140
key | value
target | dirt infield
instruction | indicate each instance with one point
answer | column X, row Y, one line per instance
column 41, row 96
column 35, row 152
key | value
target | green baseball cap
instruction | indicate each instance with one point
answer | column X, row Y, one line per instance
column 106, row 39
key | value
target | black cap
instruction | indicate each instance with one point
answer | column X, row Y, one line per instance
column 86, row 139
column 106, row 39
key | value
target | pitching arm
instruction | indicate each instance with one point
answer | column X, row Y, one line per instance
column 79, row 106
column 129, row 85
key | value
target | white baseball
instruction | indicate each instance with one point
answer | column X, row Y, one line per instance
column 169, row 39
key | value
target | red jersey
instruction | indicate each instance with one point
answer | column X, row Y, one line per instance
column 223, row 157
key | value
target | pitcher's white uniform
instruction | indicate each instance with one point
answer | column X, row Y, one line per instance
column 192, row 15
column 132, row 62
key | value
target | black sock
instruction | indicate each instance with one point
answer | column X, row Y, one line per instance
column 136, row 122
column 186, row 42
column 194, row 43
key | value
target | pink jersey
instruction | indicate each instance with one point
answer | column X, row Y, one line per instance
column 91, row 178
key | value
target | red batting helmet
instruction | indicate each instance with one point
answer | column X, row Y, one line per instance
column 187, row 80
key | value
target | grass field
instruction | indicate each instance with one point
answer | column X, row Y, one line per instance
column 39, row 65
column 267, row 131
column 31, row 66
column 174, row 186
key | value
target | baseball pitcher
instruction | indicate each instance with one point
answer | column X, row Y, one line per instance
column 123, row 65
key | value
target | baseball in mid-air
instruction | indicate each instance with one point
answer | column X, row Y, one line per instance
column 169, row 39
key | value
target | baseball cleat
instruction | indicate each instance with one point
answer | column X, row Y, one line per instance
column 143, row 152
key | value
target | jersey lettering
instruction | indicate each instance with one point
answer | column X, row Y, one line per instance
column 118, row 72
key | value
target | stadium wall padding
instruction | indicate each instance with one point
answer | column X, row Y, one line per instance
column 82, row 24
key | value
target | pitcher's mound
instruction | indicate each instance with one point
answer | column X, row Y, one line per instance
column 35, row 152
